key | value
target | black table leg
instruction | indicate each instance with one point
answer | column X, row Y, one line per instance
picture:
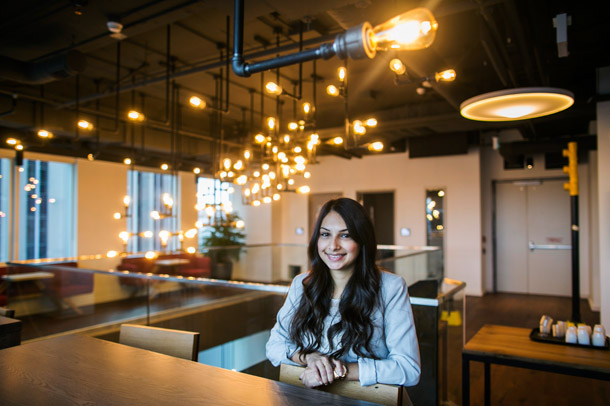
column 465, row 380
column 487, row 384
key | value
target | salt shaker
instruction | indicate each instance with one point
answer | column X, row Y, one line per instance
column 545, row 324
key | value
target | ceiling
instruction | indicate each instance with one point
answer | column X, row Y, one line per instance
column 173, row 49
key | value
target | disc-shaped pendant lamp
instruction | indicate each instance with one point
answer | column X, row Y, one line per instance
column 517, row 104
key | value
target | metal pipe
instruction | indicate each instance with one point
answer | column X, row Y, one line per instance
column 13, row 105
column 244, row 69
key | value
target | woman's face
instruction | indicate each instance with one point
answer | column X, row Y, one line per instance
column 335, row 245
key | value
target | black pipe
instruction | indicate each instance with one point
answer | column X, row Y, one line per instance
column 13, row 105
column 242, row 68
column 575, row 261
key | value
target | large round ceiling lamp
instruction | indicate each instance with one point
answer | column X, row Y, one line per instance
column 517, row 104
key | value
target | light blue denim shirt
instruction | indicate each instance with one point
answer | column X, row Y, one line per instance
column 394, row 340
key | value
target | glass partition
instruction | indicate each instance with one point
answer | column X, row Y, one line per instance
column 233, row 309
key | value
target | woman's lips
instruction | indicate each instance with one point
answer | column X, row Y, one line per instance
column 335, row 257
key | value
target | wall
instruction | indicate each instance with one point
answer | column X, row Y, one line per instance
column 100, row 190
column 603, row 185
column 458, row 175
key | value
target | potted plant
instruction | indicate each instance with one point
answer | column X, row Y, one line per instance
column 223, row 241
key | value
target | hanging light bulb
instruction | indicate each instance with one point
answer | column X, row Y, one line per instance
column 445, row 76
column 238, row 165
column 135, row 115
column 297, row 150
column 267, row 199
column 359, row 128
column 127, row 161
column 293, row 126
column 226, row 163
column 85, row 125
column 376, row 146
column 414, row 29
column 338, row 140
column 307, row 175
column 164, row 167
column 397, row 66
column 276, row 196
column 342, row 72
column 307, row 108
column 241, row 180
column 260, row 138
column 271, row 123
column 197, row 102
column 126, row 201
column 44, row 134
column 303, row 189
column 371, row 122
column 332, row 90
column 287, row 138
column 248, row 154
column 196, row 171
column 273, row 88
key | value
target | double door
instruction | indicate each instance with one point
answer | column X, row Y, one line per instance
column 533, row 237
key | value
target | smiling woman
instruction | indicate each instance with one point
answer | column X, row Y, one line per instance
column 345, row 318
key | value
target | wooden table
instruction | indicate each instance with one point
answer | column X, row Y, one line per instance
column 512, row 346
column 79, row 369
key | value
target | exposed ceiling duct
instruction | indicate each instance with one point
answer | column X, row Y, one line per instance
column 45, row 71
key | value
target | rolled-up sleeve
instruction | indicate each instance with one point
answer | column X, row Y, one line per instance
column 279, row 347
column 402, row 364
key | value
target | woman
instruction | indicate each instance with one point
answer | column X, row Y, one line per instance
column 344, row 318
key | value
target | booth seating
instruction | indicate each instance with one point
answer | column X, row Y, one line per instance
column 194, row 266
column 59, row 285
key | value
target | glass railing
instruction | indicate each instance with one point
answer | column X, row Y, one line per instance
column 230, row 297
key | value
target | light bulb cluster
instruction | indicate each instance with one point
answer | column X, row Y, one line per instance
column 278, row 157
column 402, row 77
column 355, row 128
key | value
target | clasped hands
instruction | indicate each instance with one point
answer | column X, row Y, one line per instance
column 322, row 370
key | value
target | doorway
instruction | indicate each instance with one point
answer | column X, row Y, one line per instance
column 380, row 207
column 532, row 237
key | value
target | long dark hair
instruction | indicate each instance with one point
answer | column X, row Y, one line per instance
column 359, row 298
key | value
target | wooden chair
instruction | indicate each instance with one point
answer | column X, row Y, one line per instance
column 177, row 343
column 390, row 395
column 7, row 312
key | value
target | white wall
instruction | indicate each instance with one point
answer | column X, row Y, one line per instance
column 458, row 175
column 603, row 185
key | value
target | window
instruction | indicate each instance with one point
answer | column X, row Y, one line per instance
column 5, row 215
column 46, row 210
column 149, row 193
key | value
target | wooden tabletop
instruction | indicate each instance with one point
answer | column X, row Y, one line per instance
column 514, row 343
column 78, row 369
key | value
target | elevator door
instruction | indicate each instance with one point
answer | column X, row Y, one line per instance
column 533, row 214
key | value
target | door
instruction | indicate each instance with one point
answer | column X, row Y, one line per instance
column 535, row 213
column 380, row 207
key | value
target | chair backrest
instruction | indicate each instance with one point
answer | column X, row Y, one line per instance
column 7, row 312
column 177, row 343
column 391, row 395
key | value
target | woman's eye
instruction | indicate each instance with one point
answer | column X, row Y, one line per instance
column 345, row 236
column 324, row 234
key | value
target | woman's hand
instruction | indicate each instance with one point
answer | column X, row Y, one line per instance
column 320, row 370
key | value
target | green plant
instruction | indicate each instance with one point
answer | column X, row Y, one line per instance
column 223, row 234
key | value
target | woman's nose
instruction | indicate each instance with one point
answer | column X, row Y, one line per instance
column 334, row 243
